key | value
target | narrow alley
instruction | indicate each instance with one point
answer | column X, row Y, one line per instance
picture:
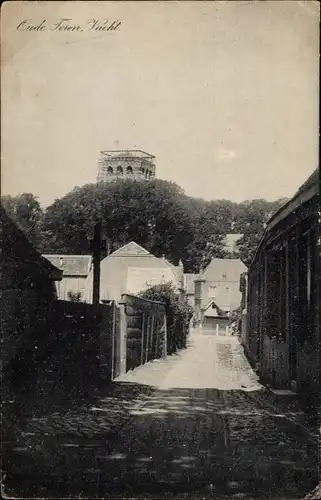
column 194, row 425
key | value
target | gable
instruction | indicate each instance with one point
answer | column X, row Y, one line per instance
column 224, row 270
column 131, row 249
column 212, row 309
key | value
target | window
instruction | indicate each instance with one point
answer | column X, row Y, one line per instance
column 110, row 171
column 224, row 276
column 129, row 170
column 120, row 170
column 212, row 291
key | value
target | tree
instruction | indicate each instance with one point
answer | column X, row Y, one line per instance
column 252, row 218
column 26, row 212
column 247, row 245
column 154, row 214
column 178, row 314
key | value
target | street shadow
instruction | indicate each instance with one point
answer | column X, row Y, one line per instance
column 135, row 440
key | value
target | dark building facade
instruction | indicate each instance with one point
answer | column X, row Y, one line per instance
column 282, row 331
column 27, row 288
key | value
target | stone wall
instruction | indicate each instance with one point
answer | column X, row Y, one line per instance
column 143, row 331
column 138, row 168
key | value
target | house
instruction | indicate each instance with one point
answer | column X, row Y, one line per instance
column 132, row 269
column 217, row 292
column 75, row 270
column 27, row 288
column 23, row 268
column 281, row 321
column 189, row 287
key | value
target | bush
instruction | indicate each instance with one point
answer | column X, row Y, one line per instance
column 178, row 314
column 74, row 296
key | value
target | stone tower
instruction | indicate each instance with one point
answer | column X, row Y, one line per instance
column 127, row 163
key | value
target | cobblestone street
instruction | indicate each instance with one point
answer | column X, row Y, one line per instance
column 197, row 424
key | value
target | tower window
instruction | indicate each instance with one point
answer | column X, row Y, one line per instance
column 120, row 170
column 110, row 171
column 129, row 170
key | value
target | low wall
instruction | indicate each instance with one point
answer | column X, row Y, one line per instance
column 71, row 349
column 70, row 356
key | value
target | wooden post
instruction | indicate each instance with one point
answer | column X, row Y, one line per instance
column 122, row 345
column 165, row 336
column 147, row 338
column 96, row 245
column 113, row 342
column 142, row 341
column 151, row 336
column 157, row 333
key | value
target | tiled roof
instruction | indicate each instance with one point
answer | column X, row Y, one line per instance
column 189, row 279
column 224, row 270
column 71, row 265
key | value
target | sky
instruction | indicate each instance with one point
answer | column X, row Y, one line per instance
column 224, row 94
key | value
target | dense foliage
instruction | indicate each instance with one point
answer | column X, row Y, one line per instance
column 26, row 212
column 156, row 214
column 178, row 314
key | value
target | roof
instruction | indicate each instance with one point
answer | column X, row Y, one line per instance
column 230, row 303
column 15, row 245
column 306, row 192
column 189, row 279
column 217, row 306
column 71, row 265
column 138, row 153
column 224, row 270
column 131, row 249
column 117, row 267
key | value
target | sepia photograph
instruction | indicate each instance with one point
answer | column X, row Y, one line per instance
column 160, row 250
